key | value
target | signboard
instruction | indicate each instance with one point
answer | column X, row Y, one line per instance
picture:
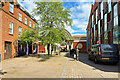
column 98, row 42
column 80, row 45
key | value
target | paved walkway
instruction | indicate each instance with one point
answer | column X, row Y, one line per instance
column 60, row 66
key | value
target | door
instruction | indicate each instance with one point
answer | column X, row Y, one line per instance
column 8, row 50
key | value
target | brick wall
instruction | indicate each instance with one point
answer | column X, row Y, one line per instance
column 14, row 18
column 84, row 44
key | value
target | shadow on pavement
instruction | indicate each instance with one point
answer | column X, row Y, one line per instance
column 106, row 67
column 43, row 57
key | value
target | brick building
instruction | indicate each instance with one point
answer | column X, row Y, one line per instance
column 104, row 23
column 81, row 41
column 14, row 20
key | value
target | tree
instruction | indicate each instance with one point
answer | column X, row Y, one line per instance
column 53, row 19
column 28, row 36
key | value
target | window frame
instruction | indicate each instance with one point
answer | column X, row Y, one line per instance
column 94, row 34
column 30, row 23
column 11, row 7
column 10, row 28
column 115, row 16
column 33, row 25
column 99, row 31
column 96, row 14
column 92, row 20
column 109, row 5
column 25, row 20
column 101, row 9
column 116, row 29
column 20, row 16
column 19, row 32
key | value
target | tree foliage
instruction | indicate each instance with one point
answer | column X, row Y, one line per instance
column 53, row 19
column 29, row 36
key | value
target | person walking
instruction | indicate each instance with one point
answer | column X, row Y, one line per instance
column 77, row 52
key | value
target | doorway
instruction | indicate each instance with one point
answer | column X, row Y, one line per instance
column 8, row 50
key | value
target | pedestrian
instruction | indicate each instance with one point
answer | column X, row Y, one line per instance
column 74, row 54
column 77, row 52
column 59, row 50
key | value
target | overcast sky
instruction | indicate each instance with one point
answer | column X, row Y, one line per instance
column 80, row 13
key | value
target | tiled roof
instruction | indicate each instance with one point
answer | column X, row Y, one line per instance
column 80, row 36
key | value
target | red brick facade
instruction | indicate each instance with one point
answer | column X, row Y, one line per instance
column 80, row 39
column 7, row 17
column 91, row 38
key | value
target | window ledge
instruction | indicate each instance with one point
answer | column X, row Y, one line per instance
column 11, row 12
column 11, row 34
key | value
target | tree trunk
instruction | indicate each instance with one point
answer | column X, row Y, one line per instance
column 48, row 49
column 32, row 48
column 51, row 49
column 27, row 48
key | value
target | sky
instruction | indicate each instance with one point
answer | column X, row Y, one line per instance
column 80, row 11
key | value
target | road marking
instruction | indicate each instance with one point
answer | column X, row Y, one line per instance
column 64, row 69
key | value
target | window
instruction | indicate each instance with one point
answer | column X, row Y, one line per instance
column 105, row 30
column 20, row 30
column 25, row 20
column 115, row 15
column 11, row 8
column 116, row 29
column 94, row 33
column 92, row 20
column 20, row 16
column 91, row 33
column 10, row 28
column 99, row 30
column 101, row 9
column 105, row 23
column 30, row 23
column 25, row 30
column 96, row 15
column 33, row 25
column 109, row 6
column 116, row 35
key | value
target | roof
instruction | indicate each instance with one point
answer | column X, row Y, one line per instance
column 69, row 35
column 80, row 36
column 26, row 12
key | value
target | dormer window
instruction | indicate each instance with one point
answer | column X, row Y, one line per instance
column 11, row 8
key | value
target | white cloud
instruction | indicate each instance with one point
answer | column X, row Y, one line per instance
column 28, row 5
column 80, row 16
column 81, row 11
